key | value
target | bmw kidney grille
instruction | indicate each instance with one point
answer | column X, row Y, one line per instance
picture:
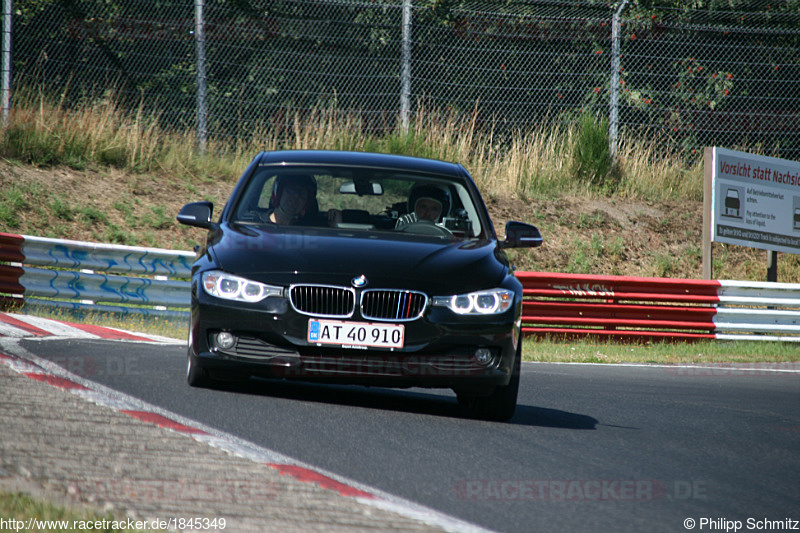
column 380, row 304
column 323, row 300
column 339, row 302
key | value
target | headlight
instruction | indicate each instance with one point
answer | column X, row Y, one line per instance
column 230, row 287
column 491, row 302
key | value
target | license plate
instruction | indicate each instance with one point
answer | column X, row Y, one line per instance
column 355, row 334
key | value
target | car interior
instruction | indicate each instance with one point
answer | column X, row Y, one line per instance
column 373, row 202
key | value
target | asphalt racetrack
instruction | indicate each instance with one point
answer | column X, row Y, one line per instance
column 591, row 447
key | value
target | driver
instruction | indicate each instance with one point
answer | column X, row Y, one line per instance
column 294, row 202
column 426, row 203
column 292, row 198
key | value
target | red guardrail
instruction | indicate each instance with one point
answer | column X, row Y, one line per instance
column 625, row 307
column 11, row 252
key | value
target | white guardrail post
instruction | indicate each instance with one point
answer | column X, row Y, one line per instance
column 746, row 308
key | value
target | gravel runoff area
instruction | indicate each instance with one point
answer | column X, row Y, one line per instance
column 65, row 448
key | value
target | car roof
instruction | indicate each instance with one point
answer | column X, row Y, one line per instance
column 363, row 159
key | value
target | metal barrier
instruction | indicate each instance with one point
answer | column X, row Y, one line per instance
column 88, row 277
column 81, row 277
column 658, row 308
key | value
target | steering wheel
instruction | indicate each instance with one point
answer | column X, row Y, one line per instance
column 426, row 227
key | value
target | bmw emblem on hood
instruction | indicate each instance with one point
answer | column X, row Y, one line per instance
column 360, row 281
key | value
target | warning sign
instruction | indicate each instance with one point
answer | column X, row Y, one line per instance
column 755, row 201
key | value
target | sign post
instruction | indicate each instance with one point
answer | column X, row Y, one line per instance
column 750, row 200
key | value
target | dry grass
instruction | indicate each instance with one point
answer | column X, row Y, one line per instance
column 535, row 163
column 648, row 173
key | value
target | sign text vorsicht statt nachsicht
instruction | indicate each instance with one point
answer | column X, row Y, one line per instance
column 755, row 201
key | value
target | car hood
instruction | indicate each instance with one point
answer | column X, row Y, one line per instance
column 336, row 257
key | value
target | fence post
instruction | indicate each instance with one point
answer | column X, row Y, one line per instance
column 8, row 14
column 405, row 67
column 202, row 101
column 613, row 121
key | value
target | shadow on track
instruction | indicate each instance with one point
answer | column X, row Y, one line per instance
column 552, row 418
column 401, row 400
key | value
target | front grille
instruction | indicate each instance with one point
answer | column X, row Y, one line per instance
column 381, row 304
column 323, row 300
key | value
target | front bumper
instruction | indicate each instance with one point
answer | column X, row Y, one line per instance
column 441, row 349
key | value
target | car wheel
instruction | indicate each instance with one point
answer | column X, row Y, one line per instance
column 500, row 405
column 196, row 376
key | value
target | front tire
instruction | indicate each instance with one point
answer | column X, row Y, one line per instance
column 500, row 405
column 196, row 376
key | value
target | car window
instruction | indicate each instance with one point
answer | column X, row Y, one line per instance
column 360, row 200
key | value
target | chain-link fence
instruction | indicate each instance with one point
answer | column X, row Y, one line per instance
column 723, row 73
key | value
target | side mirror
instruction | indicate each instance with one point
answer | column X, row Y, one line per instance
column 521, row 235
column 197, row 214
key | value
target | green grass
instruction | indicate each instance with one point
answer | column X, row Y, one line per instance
column 591, row 159
column 91, row 215
column 116, row 235
column 10, row 208
column 598, row 351
column 158, row 218
column 61, row 209
column 22, row 507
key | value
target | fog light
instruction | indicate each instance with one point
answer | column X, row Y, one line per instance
column 224, row 340
column 483, row 356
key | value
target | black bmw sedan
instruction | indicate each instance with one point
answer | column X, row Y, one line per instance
column 358, row 268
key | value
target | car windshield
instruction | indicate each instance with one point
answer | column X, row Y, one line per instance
column 368, row 200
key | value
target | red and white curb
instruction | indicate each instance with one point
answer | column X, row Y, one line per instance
column 17, row 326
column 36, row 368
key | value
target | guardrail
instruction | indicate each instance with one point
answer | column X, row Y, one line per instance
column 81, row 277
column 659, row 308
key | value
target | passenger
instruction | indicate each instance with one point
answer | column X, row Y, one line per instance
column 427, row 203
